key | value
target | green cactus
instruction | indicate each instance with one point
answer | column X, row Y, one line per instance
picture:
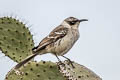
column 80, row 72
column 51, row 71
column 15, row 39
column 16, row 42
column 36, row 71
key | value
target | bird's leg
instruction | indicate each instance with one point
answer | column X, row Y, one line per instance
column 69, row 61
column 59, row 60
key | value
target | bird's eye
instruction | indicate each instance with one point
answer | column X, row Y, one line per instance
column 72, row 22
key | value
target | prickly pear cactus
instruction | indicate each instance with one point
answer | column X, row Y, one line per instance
column 15, row 39
column 16, row 42
column 52, row 71
column 36, row 71
column 80, row 72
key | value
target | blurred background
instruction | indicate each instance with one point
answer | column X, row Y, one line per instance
column 99, row 45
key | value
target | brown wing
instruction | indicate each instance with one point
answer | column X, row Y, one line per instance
column 56, row 34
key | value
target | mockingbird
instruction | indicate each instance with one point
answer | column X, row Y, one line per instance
column 58, row 42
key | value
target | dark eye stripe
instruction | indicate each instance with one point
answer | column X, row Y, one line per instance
column 72, row 22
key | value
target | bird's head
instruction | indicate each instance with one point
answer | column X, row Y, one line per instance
column 73, row 22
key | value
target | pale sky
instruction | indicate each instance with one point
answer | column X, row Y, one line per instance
column 99, row 45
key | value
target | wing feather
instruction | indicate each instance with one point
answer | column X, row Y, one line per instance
column 58, row 33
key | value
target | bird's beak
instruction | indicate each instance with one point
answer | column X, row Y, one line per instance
column 83, row 20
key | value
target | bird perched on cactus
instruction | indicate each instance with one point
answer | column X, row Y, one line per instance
column 59, row 41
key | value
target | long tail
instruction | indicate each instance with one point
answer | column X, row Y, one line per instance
column 22, row 63
column 25, row 61
column 35, row 52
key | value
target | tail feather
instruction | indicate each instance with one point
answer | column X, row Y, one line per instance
column 25, row 61
column 36, row 51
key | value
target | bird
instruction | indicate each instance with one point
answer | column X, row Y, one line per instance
column 58, row 42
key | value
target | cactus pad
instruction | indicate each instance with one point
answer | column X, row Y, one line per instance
column 36, row 71
column 51, row 71
column 15, row 39
column 78, row 73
